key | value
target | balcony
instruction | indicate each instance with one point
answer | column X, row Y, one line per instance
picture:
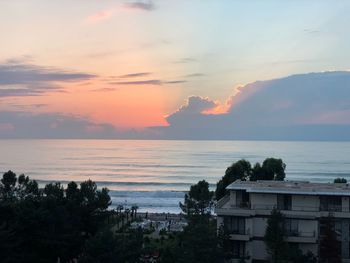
column 223, row 201
column 243, row 235
column 301, row 236
column 330, row 208
column 225, row 207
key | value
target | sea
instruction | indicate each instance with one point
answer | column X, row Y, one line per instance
column 155, row 174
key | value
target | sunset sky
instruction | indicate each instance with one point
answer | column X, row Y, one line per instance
column 132, row 64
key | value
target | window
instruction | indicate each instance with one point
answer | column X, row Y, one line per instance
column 234, row 225
column 331, row 203
column 290, row 227
column 284, row 202
column 242, row 198
column 238, row 249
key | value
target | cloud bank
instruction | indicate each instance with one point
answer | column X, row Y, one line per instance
column 18, row 78
column 313, row 106
column 20, row 124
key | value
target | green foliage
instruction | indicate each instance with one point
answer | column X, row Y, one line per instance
column 105, row 247
column 224, row 243
column 240, row 170
column 42, row 225
column 198, row 243
column 296, row 256
column 340, row 180
column 198, row 202
column 271, row 169
column 329, row 246
column 277, row 248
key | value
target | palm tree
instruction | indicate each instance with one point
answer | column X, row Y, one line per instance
column 119, row 214
column 134, row 210
column 120, row 208
column 127, row 211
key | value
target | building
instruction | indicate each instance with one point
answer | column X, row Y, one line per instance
column 244, row 211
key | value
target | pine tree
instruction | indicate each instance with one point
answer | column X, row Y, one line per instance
column 277, row 247
column 329, row 246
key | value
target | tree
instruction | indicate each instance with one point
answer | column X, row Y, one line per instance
column 297, row 256
column 199, row 200
column 271, row 169
column 105, row 247
column 240, row 170
column 8, row 185
column 224, row 243
column 42, row 225
column 199, row 243
column 340, row 180
column 274, row 169
column 277, row 247
column 329, row 246
column 134, row 211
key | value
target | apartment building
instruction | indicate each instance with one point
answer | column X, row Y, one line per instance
column 244, row 212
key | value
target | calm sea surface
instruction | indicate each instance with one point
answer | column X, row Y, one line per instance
column 154, row 174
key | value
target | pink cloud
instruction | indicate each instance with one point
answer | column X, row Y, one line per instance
column 100, row 16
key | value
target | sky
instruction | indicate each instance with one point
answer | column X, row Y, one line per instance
column 174, row 69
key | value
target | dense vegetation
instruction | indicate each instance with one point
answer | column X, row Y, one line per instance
column 340, row 180
column 271, row 169
column 44, row 225
column 61, row 224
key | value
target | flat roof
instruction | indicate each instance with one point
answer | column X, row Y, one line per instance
column 291, row 187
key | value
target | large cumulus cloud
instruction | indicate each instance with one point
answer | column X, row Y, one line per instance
column 313, row 106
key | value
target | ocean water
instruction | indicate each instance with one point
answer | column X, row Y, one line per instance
column 155, row 174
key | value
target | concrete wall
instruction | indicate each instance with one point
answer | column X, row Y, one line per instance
column 219, row 221
column 249, row 226
column 259, row 250
column 249, row 250
column 259, row 226
column 308, row 226
column 305, row 203
column 231, row 201
column 233, row 198
column 263, row 201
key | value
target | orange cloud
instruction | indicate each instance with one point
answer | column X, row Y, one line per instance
column 226, row 106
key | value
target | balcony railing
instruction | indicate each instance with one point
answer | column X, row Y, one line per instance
column 331, row 208
column 223, row 201
column 304, row 208
column 248, row 206
column 300, row 233
column 237, row 231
